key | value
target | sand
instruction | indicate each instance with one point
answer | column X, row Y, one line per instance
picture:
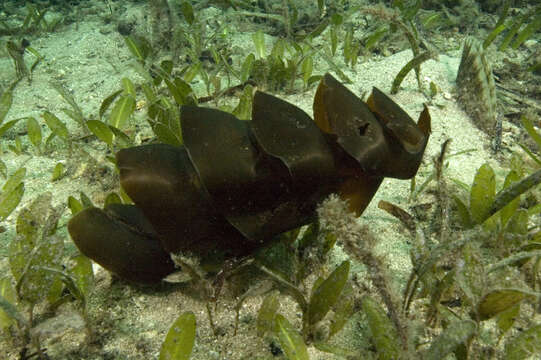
column 129, row 322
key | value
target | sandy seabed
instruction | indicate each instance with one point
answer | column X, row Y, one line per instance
column 90, row 59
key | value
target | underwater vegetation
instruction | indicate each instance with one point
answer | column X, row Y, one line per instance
column 34, row 22
column 237, row 189
column 36, row 264
column 453, row 285
column 476, row 87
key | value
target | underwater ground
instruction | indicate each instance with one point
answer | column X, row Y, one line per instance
column 86, row 54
